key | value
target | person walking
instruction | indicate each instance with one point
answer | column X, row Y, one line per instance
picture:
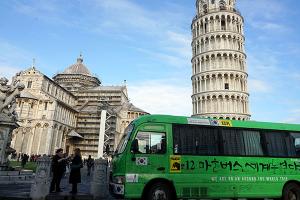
column 89, row 164
column 76, row 165
column 58, row 167
column 24, row 160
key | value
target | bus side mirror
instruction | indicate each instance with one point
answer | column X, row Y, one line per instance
column 135, row 146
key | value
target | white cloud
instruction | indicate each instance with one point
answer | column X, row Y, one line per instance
column 47, row 11
column 121, row 19
column 173, row 60
column 263, row 15
column 257, row 86
column 175, row 49
column 8, row 72
column 270, row 26
column 125, row 13
column 171, row 45
column 266, row 9
column 161, row 97
column 296, row 76
column 12, row 53
column 180, row 44
column 296, row 111
column 294, row 116
column 12, row 59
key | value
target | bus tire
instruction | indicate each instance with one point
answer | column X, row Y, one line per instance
column 160, row 191
column 291, row 192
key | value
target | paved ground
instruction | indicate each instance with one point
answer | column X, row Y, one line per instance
column 14, row 191
column 21, row 191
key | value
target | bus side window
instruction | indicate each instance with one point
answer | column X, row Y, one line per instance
column 195, row 140
column 280, row 144
column 151, row 142
column 296, row 143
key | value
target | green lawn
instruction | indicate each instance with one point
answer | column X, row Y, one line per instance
column 29, row 165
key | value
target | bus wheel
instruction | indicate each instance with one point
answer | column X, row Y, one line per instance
column 160, row 191
column 291, row 192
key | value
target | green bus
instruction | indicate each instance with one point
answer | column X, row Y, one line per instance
column 169, row 157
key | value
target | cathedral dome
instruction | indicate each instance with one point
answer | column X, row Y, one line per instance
column 78, row 68
column 77, row 76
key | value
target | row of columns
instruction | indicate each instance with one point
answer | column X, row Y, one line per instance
column 213, row 5
column 26, row 107
column 217, row 43
column 33, row 108
column 220, row 105
column 217, row 23
column 38, row 140
column 218, row 83
column 56, row 139
column 65, row 115
column 217, row 63
column 133, row 115
column 59, row 93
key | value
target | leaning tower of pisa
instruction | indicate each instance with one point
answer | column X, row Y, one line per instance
column 219, row 61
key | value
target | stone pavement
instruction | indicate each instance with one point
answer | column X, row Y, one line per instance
column 21, row 191
column 14, row 191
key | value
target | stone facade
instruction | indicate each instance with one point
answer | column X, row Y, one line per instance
column 46, row 114
column 126, row 113
column 219, row 61
column 65, row 112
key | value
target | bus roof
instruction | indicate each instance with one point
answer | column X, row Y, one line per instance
column 216, row 122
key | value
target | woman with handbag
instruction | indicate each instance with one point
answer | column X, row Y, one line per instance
column 76, row 165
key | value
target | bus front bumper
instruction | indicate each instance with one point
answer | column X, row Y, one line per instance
column 116, row 189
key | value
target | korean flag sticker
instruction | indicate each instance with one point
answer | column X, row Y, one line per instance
column 214, row 123
column 141, row 161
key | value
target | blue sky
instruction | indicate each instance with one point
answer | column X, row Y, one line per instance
column 147, row 43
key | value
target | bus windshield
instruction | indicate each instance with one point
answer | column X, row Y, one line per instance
column 124, row 140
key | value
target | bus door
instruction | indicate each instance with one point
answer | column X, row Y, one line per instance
column 148, row 157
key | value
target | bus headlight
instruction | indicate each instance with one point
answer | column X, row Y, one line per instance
column 119, row 179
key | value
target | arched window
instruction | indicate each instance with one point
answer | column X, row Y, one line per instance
column 223, row 24
column 205, row 8
column 29, row 84
column 222, row 5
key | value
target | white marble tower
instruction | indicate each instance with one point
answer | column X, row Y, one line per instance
column 219, row 61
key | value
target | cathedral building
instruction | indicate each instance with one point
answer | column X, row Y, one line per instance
column 219, row 72
column 46, row 114
column 65, row 112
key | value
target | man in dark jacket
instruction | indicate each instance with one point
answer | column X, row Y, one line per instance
column 24, row 160
column 58, row 168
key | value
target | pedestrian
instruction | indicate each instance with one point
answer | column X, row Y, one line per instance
column 19, row 156
column 76, row 165
column 89, row 164
column 58, row 166
column 24, row 160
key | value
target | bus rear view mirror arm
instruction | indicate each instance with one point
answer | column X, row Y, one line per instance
column 135, row 146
